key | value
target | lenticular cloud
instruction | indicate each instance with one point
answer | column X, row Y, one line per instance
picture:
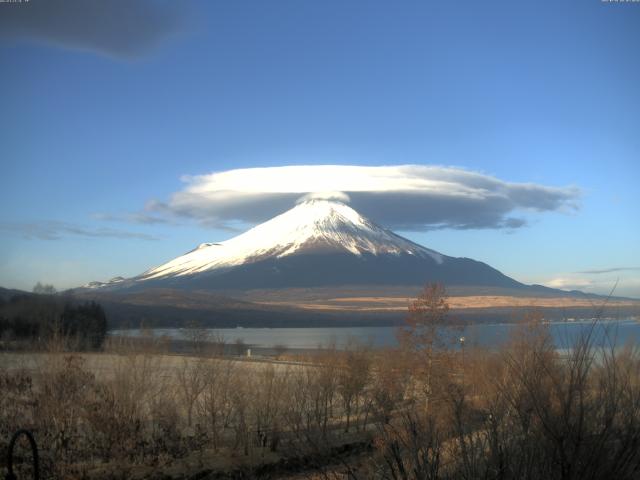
column 404, row 197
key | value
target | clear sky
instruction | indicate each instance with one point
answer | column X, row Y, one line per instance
column 105, row 107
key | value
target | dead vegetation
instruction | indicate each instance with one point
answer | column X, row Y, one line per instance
column 423, row 411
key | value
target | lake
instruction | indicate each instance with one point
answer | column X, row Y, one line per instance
column 564, row 334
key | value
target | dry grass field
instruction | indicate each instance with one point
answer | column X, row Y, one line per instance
column 421, row 411
column 413, row 413
column 400, row 303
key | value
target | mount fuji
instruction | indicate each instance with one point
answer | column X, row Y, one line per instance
column 317, row 243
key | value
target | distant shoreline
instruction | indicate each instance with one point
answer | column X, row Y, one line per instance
column 267, row 341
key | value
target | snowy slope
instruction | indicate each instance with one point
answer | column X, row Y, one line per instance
column 313, row 226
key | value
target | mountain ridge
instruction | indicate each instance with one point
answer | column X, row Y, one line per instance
column 317, row 243
column 313, row 226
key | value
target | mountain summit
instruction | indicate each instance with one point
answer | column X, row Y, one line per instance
column 316, row 243
column 311, row 227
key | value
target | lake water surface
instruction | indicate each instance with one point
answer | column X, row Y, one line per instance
column 564, row 334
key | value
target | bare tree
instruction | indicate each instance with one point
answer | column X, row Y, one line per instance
column 217, row 343
column 216, row 405
column 240, row 347
column 192, row 381
column 198, row 336
column 353, row 378
column 421, row 335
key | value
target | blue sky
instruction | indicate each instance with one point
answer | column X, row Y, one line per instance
column 93, row 127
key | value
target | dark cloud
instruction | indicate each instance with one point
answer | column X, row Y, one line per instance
column 122, row 28
column 53, row 230
column 404, row 197
column 610, row 270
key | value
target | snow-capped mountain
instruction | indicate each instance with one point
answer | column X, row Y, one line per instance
column 316, row 243
column 311, row 227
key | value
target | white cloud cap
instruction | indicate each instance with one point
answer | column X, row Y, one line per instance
column 405, row 197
